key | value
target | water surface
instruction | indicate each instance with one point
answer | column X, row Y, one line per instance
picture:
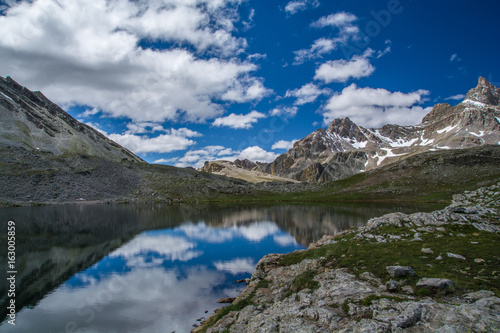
column 150, row 268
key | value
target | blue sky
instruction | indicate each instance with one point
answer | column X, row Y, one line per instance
column 184, row 81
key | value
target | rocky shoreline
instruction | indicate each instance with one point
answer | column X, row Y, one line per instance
column 424, row 272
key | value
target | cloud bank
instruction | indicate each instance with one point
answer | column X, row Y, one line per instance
column 371, row 107
column 97, row 53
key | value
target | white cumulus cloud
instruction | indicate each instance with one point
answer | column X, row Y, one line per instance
column 458, row 97
column 96, row 53
column 308, row 93
column 283, row 144
column 346, row 31
column 296, row 6
column 257, row 154
column 284, row 111
column 239, row 121
column 343, row 70
column 375, row 107
column 340, row 19
column 196, row 158
column 173, row 140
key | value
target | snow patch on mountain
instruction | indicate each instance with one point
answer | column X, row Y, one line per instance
column 475, row 103
column 447, row 129
column 402, row 143
column 389, row 153
column 425, row 142
column 481, row 133
column 358, row 145
column 7, row 96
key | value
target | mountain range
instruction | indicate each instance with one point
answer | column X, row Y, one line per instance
column 345, row 148
column 47, row 156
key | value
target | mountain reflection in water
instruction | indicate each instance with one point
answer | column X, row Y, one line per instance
column 150, row 268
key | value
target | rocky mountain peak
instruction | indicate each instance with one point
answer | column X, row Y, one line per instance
column 245, row 164
column 346, row 128
column 439, row 111
column 484, row 92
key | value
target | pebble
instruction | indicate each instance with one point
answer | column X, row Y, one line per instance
column 427, row 250
column 456, row 256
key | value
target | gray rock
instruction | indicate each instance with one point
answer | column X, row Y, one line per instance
column 407, row 290
column 460, row 210
column 472, row 297
column 392, row 285
column 486, row 227
column 409, row 316
column 400, row 271
column 367, row 276
column 321, row 310
column 436, row 284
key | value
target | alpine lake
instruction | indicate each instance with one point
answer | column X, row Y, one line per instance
column 151, row 268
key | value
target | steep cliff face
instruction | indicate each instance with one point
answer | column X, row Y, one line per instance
column 30, row 121
column 344, row 148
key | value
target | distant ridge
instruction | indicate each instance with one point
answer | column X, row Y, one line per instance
column 345, row 148
column 47, row 156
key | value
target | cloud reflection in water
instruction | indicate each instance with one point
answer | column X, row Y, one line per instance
column 160, row 281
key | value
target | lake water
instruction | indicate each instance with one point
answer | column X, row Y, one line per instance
column 150, row 268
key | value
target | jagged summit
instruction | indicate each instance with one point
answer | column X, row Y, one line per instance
column 346, row 128
column 485, row 93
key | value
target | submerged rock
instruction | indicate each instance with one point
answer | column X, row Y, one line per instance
column 226, row 300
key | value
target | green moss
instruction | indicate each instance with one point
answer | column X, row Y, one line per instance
column 263, row 284
column 345, row 305
column 225, row 310
column 303, row 281
column 235, row 307
column 369, row 300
